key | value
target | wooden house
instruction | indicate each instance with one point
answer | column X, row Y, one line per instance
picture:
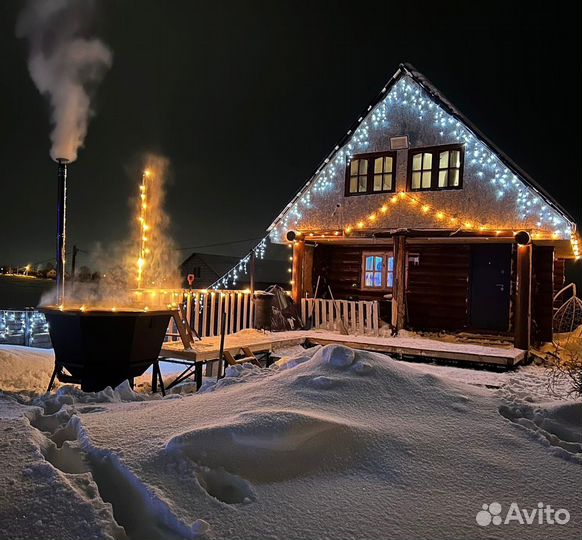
column 416, row 208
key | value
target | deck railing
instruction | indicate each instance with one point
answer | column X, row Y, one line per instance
column 204, row 311
column 358, row 316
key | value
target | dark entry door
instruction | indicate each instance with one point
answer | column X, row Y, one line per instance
column 490, row 284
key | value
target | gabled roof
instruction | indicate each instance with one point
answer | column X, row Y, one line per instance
column 439, row 98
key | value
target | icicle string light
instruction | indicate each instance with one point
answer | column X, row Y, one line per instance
column 233, row 275
column 409, row 96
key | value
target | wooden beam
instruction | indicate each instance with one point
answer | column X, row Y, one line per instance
column 522, row 338
column 398, row 290
column 297, row 271
column 308, row 270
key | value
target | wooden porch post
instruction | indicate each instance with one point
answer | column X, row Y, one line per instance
column 522, row 338
column 398, row 290
column 297, row 271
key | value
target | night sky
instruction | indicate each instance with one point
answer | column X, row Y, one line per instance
column 246, row 98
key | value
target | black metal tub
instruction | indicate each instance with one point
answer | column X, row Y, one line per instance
column 101, row 348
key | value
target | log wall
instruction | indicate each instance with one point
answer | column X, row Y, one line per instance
column 542, row 292
column 438, row 287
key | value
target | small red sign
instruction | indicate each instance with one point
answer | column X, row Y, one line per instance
column 191, row 278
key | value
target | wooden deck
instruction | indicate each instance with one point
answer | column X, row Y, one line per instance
column 400, row 347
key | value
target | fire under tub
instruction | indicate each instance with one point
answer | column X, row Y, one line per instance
column 101, row 348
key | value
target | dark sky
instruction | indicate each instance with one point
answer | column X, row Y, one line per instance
column 247, row 97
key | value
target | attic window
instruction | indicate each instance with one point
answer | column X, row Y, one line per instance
column 371, row 173
column 437, row 167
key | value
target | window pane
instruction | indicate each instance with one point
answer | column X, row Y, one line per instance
column 363, row 184
column 454, row 177
column 378, row 165
column 417, row 162
column 353, row 184
column 390, row 279
column 363, row 166
column 354, row 166
column 369, row 280
column 415, row 180
column 378, row 264
column 455, row 158
column 378, row 279
column 427, row 163
column 377, row 182
column 444, row 160
column 387, row 164
column 442, row 178
column 390, row 263
column 387, row 182
column 370, row 263
column 426, row 176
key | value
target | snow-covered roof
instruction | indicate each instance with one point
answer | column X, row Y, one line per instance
column 436, row 96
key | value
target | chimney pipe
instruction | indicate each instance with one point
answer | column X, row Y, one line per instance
column 61, row 227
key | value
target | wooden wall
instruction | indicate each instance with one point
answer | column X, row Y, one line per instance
column 437, row 292
column 438, row 287
column 341, row 268
column 542, row 291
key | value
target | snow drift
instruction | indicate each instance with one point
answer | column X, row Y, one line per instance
column 329, row 443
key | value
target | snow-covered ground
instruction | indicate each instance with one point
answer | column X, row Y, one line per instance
column 330, row 443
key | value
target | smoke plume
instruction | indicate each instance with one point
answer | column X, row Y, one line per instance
column 65, row 64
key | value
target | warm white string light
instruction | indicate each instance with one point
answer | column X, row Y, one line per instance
column 408, row 95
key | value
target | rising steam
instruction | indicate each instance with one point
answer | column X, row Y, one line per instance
column 65, row 65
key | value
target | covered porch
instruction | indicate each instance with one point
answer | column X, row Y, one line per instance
column 438, row 279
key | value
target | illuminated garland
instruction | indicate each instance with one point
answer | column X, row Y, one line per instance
column 409, row 96
column 144, row 227
column 442, row 216
column 15, row 324
column 232, row 276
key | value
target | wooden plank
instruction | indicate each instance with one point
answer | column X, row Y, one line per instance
column 304, row 309
column 522, row 337
column 369, row 320
column 353, row 320
column 376, row 317
column 184, row 337
column 507, row 361
column 245, row 311
column 324, row 321
column 219, row 313
column 331, row 316
column 317, row 307
column 297, row 271
column 197, row 313
column 231, row 309
column 189, row 309
column 205, row 314
column 238, row 311
column 361, row 327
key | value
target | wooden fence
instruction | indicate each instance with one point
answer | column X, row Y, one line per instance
column 359, row 317
column 204, row 311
